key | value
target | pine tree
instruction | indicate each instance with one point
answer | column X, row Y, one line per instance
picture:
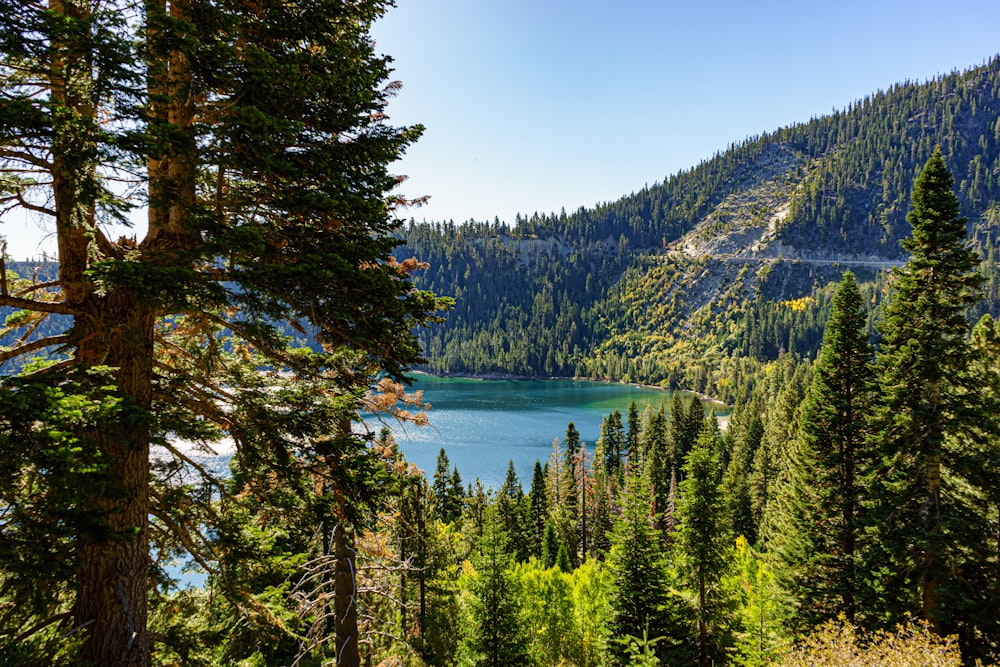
column 447, row 509
column 745, row 432
column 572, row 444
column 457, row 492
column 550, row 546
column 632, row 451
column 514, row 512
column 497, row 637
column 610, row 444
column 927, row 487
column 267, row 194
column 694, row 422
column 771, row 460
column 570, row 465
column 539, row 504
column 817, row 543
column 703, row 543
column 641, row 598
column 658, row 458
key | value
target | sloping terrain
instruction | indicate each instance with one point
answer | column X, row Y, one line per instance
column 724, row 266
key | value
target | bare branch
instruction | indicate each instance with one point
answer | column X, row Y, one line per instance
column 211, row 393
column 33, row 207
column 32, row 328
column 33, row 346
column 36, row 287
column 41, row 626
column 26, row 157
column 39, row 306
column 66, row 363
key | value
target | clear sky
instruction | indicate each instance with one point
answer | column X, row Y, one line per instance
column 536, row 105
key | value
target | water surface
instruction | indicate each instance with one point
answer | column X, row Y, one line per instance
column 483, row 424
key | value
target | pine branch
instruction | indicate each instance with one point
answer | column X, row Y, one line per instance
column 207, row 476
column 183, row 534
column 58, row 307
column 39, row 344
column 41, row 626
column 37, row 286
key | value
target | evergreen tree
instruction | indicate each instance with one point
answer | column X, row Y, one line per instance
column 642, row 603
column 514, row 513
column 771, row 460
column 694, row 421
column 703, row 544
column 572, row 462
column 572, row 444
column 497, row 637
column 611, row 444
column 676, row 428
column 986, row 368
column 457, row 492
column 658, row 458
column 817, row 543
column 447, row 507
column 550, row 546
column 539, row 504
column 267, row 197
column 415, row 526
column 745, row 432
column 927, row 488
column 632, row 435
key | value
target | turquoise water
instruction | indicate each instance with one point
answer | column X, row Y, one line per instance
column 483, row 424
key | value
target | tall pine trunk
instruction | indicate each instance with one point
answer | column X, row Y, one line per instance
column 111, row 604
column 345, row 606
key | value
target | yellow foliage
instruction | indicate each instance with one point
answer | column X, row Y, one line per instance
column 838, row 644
column 799, row 305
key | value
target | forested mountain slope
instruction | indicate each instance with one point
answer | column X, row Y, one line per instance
column 702, row 279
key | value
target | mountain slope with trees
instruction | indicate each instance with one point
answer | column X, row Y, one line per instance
column 691, row 282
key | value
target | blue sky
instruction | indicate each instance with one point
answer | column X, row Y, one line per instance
column 544, row 104
column 538, row 105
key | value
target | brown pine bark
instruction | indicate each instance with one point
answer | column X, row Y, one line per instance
column 109, row 330
column 111, row 603
column 345, row 606
column 115, row 329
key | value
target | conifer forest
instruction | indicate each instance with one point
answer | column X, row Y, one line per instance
column 835, row 282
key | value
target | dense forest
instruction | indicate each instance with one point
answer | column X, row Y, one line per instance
column 847, row 514
column 697, row 281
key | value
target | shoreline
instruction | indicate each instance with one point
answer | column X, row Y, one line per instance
column 513, row 377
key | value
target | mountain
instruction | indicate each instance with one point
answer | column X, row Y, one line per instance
column 714, row 273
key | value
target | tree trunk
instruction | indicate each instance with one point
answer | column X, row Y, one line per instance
column 112, row 579
column 74, row 151
column 931, row 565
column 346, row 608
column 702, row 626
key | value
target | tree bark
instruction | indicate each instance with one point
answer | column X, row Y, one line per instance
column 111, row 602
column 346, row 608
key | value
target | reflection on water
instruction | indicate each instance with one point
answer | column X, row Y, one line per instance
column 482, row 424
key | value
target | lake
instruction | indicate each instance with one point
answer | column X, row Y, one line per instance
column 483, row 424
